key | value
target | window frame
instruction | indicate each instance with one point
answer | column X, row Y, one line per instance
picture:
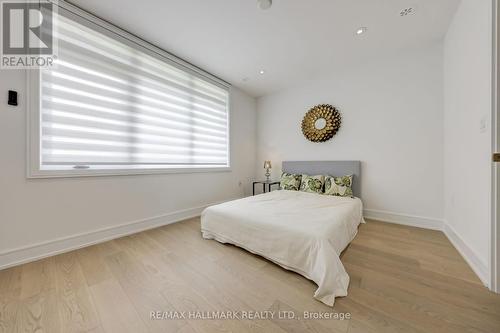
column 33, row 105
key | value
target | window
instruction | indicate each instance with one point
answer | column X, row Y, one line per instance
column 114, row 104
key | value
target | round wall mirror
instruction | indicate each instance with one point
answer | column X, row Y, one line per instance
column 321, row 123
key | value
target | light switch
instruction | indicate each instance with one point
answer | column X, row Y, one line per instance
column 12, row 98
column 483, row 124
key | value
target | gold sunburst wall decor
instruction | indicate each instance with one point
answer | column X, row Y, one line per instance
column 321, row 123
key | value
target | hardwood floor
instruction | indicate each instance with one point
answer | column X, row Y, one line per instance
column 403, row 279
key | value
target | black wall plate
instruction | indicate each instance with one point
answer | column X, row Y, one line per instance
column 12, row 98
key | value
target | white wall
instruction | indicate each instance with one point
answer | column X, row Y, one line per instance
column 467, row 148
column 392, row 122
column 41, row 210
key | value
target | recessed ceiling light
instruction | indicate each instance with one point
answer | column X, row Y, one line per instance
column 361, row 30
column 262, row 72
column 264, row 4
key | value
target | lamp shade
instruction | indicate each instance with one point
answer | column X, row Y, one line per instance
column 267, row 165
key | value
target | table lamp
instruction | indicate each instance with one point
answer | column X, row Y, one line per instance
column 267, row 166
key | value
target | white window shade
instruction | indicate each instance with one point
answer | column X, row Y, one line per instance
column 109, row 105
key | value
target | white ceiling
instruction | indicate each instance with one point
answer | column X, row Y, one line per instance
column 293, row 41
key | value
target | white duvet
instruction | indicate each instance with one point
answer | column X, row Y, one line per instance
column 302, row 232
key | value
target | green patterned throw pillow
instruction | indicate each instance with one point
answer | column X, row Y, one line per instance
column 339, row 186
column 290, row 181
column 312, row 184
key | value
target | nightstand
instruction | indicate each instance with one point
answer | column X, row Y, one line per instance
column 269, row 183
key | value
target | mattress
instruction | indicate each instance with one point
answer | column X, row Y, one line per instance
column 302, row 232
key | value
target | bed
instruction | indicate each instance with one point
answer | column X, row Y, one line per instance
column 302, row 232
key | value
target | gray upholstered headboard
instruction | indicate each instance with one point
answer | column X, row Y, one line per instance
column 332, row 168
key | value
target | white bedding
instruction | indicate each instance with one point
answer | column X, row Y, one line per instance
column 302, row 232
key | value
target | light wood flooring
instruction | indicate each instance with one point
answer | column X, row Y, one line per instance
column 403, row 279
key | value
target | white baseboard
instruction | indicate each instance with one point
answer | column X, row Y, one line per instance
column 26, row 254
column 476, row 264
column 30, row 253
column 409, row 220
